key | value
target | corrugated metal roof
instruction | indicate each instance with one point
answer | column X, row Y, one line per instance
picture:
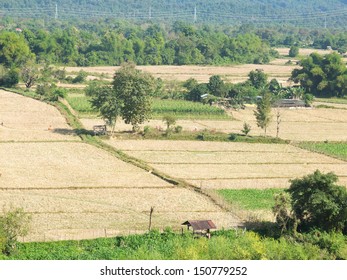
column 200, row 224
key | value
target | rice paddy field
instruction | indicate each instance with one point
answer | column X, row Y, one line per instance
column 211, row 165
column 25, row 119
column 74, row 190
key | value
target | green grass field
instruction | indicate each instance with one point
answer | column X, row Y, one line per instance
column 251, row 199
column 180, row 109
column 334, row 149
column 332, row 100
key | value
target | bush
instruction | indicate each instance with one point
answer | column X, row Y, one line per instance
column 9, row 78
column 178, row 129
column 13, row 224
column 80, row 78
column 50, row 92
column 293, row 51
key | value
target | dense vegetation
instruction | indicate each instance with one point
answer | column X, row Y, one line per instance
column 223, row 11
column 232, row 244
column 322, row 75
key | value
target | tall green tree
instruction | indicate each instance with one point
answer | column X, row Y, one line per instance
column 104, row 100
column 258, row 78
column 263, row 111
column 14, row 50
column 317, row 202
column 323, row 76
column 133, row 89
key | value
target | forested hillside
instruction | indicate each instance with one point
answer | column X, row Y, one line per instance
column 329, row 13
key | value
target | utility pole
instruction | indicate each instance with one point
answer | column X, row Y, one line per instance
column 325, row 22
column 56, row 11
column 195, row 14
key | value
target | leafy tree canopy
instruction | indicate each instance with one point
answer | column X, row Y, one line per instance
column 322, row 75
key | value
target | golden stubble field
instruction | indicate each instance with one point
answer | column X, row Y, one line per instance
column 26, row 119
column 76, row 191
column 213, row 165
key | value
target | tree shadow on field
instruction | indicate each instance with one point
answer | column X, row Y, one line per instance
column 72, row 132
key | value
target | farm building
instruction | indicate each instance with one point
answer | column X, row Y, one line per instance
column 200, row 227
column 287, row 103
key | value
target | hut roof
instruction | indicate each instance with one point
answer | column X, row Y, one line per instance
column 200, row 224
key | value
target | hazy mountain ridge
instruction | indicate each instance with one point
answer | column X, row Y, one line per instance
column 220, row 11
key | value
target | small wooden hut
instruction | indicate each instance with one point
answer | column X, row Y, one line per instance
column 200, row 227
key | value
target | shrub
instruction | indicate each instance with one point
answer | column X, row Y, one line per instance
column 9, row 78
column 246, row 129
column 80, row 78
column 13, row 224
column 178, row 129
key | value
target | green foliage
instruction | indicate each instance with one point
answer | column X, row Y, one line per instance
column 246, row 128
column 335, row 149
column 251, row 199
column 293, row 51
column 14, row 223
column 217, row 86
column 258, row 79
column 186, row 109
column 317, row 202
column 263, row 111
column 80, row 78
column 104, row 100
column 323, row 76
column 224, row 244
column 9, row 77
column 169, row 120
column 50, row 92
column 133, row 89
column 14, row 50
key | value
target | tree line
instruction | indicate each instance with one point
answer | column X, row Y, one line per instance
column 181, row 44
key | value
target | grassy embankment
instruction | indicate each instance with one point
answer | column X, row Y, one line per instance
column 231, row 244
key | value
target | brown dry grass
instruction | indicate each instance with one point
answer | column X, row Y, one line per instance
column 26, row 119
column 74, row 190
column 82, row 212
column 62, row 165
column 305, row 52
column 215, row 165
column 234, row 74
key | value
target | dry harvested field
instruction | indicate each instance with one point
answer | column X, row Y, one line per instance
column 87, row 213
column 212, row 165
column 276, row 69
column 234, row 74
column 74, row 190
column 285, row 51
column 296, row 124
column 26, row 119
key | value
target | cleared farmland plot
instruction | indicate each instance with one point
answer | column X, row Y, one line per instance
column 212, row 165
column 90, row 213
column 74, row 190
column 63, row 165
column 26, row 119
